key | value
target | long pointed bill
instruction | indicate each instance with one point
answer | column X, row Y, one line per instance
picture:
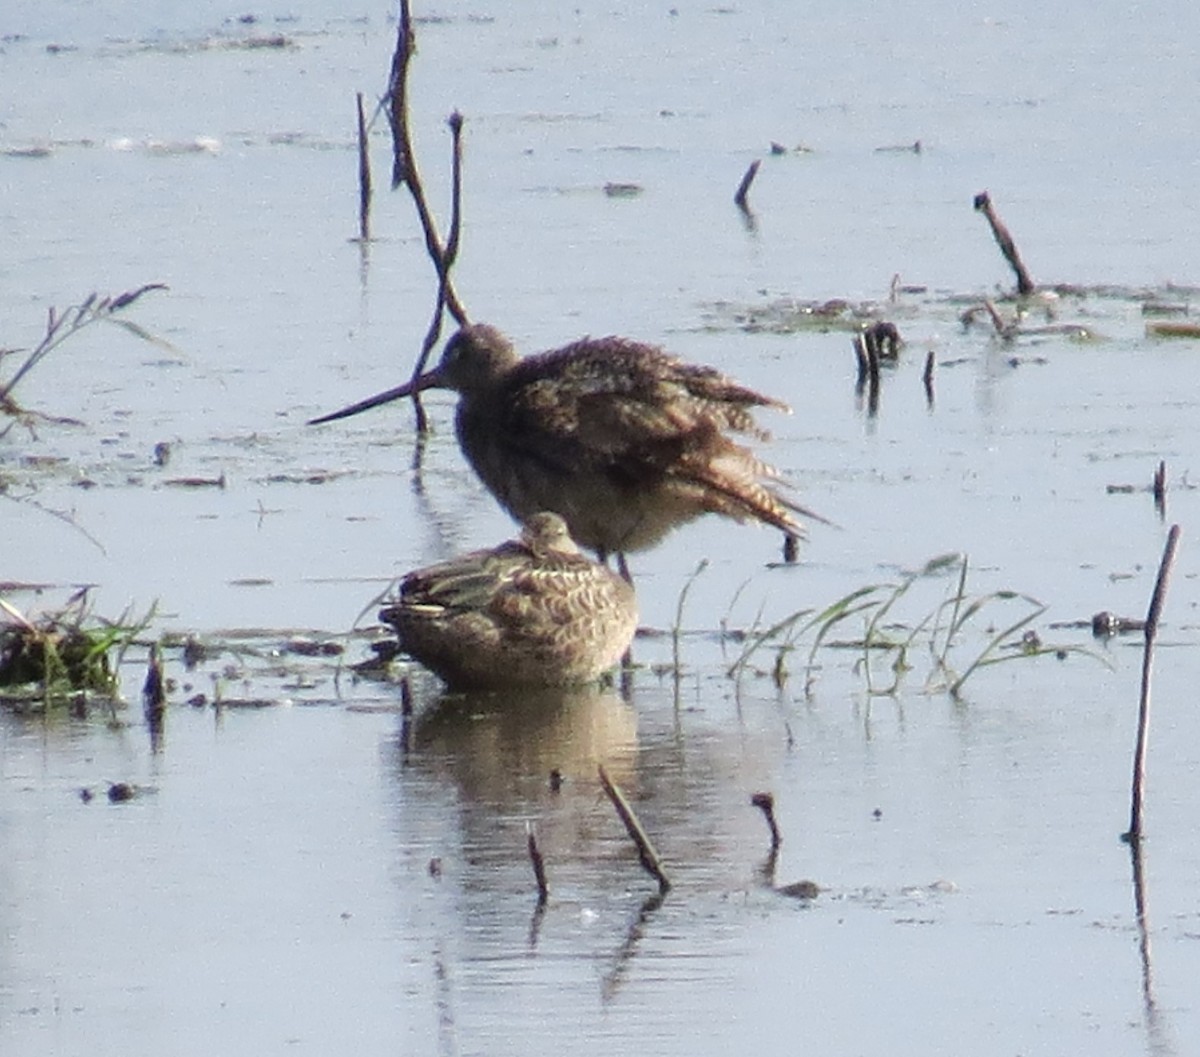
column 429, row 380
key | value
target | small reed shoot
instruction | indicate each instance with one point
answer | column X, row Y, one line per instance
column 677, row 627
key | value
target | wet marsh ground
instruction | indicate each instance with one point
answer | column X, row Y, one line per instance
column 299, row 868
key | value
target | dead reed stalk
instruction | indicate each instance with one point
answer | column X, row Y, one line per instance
column 364, row 174
column 743, row 190
column 404, row 160
column 539, row 864
column 1003, row 330
column 154, row 697
column 1160, row 489
column 1143, row 733
column 442, row 255
column 866, row 353
column 404, row 170
column 647, row 856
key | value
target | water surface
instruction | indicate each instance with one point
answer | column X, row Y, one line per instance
column 270, row 888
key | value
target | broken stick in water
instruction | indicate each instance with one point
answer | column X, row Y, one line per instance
column 154, row 694
column 1003, row 330
column 983, row 204
column 765, row 802
column 867, row 354
column 364, row 175
column 1160, row 489
column 406, row 715
column 406, row 172
column 539, row 864
column 873, row 345
column 1139, row 756
column 744, row 187
column 404, row 164
column 647, row 856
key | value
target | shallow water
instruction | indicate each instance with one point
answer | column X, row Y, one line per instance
column 270, row 886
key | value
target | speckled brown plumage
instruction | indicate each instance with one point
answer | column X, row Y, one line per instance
column 531, row 612
column 622, row 440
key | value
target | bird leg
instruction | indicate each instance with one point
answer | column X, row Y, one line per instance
column 623, row 567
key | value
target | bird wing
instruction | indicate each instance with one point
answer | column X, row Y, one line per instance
column 611, row 400
column 465, row 583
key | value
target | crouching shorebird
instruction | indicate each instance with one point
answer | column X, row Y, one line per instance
column 531, row 612
column 621, row 440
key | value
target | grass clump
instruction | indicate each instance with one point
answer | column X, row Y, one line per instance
column 53, row 658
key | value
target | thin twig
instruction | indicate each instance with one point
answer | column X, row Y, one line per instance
column 647, row 856
column 448, row 256
column 364, row 175
column 676, row 630
column 983, row 204
column 404, row 162
column 455, row 121
column 1143, row 733
column 63, row 516
column 397, row 96
column 443, row 266
column 404, row 170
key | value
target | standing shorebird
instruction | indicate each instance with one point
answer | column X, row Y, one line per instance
column 621, row 440
column 531, row 612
